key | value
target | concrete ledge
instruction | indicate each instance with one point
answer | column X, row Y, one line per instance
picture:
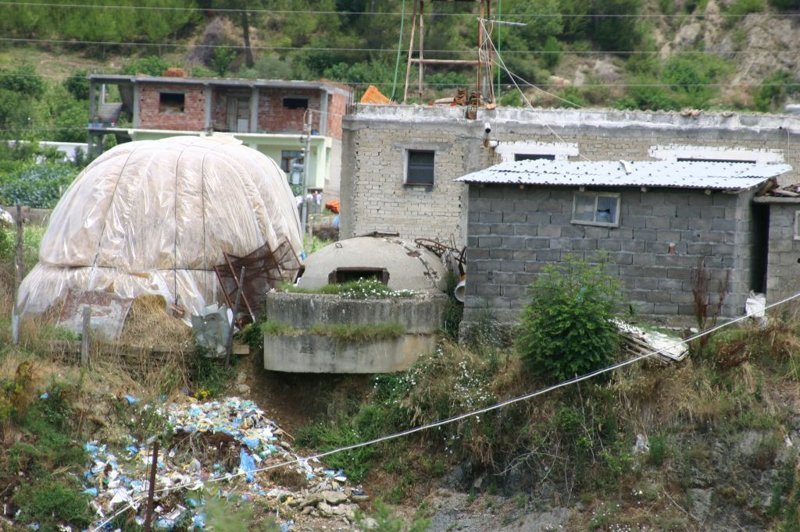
column 323, row 354
column 421, row 314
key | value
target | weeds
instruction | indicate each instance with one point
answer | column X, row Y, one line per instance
column 209, row 376
column 344, row 333
column 358, row 289
column 706, row 311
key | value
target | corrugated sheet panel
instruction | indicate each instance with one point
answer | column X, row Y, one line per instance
column 689, row 174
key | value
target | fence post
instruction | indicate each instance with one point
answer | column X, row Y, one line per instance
column 85, row 334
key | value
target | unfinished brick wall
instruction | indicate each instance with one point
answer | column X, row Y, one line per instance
column 151, row 115
column 662, row 236
column 337, row 107
column 274, row 117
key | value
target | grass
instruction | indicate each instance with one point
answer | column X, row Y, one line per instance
column 341, row 332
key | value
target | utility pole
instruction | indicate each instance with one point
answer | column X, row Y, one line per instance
column 306, row 165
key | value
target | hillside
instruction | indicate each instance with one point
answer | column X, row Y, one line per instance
column 646, row 54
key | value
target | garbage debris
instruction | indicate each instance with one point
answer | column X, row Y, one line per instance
column 226, row 445
column 640, row 342
column 211, row 329
column 374, row 96
column 756, row 308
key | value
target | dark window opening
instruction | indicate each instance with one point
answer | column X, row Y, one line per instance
column 295, row 103
column 171, row 102
column 533, row 157
column 345, row 275
column 420, row 167
column 693, row 160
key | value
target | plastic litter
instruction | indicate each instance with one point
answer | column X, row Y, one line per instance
column 221, row 444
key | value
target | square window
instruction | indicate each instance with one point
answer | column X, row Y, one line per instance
column 295, row 103
column 596, row 208
column 419, row 170
column 171, row 102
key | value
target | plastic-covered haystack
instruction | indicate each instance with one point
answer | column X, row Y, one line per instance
column 154, row 217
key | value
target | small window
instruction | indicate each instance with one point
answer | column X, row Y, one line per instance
column 347, row 274
column 420, row 168
column 171, row 102
column 533, row 157
column 692, row 159
column 295, row 103
column 596, row 208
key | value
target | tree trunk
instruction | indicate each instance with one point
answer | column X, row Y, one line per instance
column 248, row 52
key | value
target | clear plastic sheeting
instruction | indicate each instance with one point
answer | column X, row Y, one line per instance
column 154, row 217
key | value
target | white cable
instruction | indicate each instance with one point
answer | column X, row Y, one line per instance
column 459, row 417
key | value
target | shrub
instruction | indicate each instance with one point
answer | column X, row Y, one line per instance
column 52, row 502
column 773, row 91
column 740, row 8
column 566, row 328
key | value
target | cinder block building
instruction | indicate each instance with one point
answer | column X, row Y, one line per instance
column 656, row 225
column 268, row 115
column 401, row 164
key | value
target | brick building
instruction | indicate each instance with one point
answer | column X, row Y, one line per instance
column 267, row 115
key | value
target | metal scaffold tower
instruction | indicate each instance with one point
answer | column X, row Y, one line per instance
column 483, row 64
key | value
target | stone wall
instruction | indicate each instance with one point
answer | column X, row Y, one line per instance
column 375, row 137
column 662, row 236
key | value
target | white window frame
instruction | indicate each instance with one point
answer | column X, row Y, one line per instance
column 561, row 151
column 596, row 195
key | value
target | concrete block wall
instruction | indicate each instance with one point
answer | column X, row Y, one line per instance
column 374, row 196
column 151, row 117
column 514, row 234
column 783, row 266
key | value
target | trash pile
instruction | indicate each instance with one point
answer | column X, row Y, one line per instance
column 227, row 447
column 640, row 342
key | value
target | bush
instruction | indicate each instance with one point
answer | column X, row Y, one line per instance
column 52, row 502
column 566, row 328
column 740, row 8
column 774, row 90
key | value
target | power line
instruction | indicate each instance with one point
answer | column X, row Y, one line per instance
column 84, row 42
column 382, row 13
column 460, row 417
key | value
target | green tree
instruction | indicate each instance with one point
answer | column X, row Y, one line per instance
column 615, row 24
column 565, row 328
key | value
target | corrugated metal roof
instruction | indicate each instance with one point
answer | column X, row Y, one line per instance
column 689, row 174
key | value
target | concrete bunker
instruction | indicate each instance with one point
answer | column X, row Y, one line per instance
column 395, row 317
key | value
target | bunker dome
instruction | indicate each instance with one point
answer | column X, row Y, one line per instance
column 155, row 217
column 398, row 264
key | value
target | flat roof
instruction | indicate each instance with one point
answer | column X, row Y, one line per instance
column 222, row 82
column 685, row 174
